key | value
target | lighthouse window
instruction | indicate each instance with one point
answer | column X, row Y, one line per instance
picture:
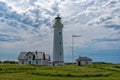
column 59, row 33
column 59, row 43
column 60, row 53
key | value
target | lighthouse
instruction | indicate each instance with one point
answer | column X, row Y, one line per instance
column 58, row 53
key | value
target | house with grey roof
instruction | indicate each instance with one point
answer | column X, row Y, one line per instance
column 36, row 58
column 83, row 61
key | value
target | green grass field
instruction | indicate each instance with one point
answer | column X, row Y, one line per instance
column 67, row 72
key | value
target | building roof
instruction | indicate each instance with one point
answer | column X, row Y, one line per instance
column 84, row 59
column 37, row 55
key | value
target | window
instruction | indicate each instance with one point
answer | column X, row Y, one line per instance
column 36, row 62
column 29, row 62
column 29, row 57
column 22, row 62
column 86, row 62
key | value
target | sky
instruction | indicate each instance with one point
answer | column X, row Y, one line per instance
column 26, row 25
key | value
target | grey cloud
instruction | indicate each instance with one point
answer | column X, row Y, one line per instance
column 8, row 38
column 114, row 26
column 12, row 18
column 106, row 39
column 80, row 12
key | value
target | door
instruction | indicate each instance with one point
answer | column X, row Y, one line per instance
column 79, row 63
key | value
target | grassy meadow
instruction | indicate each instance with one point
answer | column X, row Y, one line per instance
column 67, row 72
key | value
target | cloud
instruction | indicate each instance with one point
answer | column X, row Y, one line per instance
column 8, row 38
column 114, row 26
column 100, row 40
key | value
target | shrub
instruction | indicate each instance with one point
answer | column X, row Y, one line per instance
column 116, row 66
column 10, row 62
column 69, row 75
column 0, row 69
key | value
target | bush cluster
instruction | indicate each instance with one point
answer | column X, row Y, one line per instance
column 9, row 62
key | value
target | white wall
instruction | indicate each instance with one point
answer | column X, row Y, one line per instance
column 35, row 62
column 84, row 62
column 58, row 53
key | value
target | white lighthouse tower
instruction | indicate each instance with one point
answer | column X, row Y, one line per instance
column 58, row 56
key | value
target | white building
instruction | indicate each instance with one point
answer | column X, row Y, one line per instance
column 83, row 61
column 36, row 58
column 58, row 56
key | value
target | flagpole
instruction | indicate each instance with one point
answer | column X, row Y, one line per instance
column 73, row 46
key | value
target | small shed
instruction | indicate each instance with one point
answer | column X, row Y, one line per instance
column 83, row 61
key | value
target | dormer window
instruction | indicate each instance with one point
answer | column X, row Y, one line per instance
column 29, row 57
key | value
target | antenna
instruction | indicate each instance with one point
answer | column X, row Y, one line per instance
column 58, row 15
